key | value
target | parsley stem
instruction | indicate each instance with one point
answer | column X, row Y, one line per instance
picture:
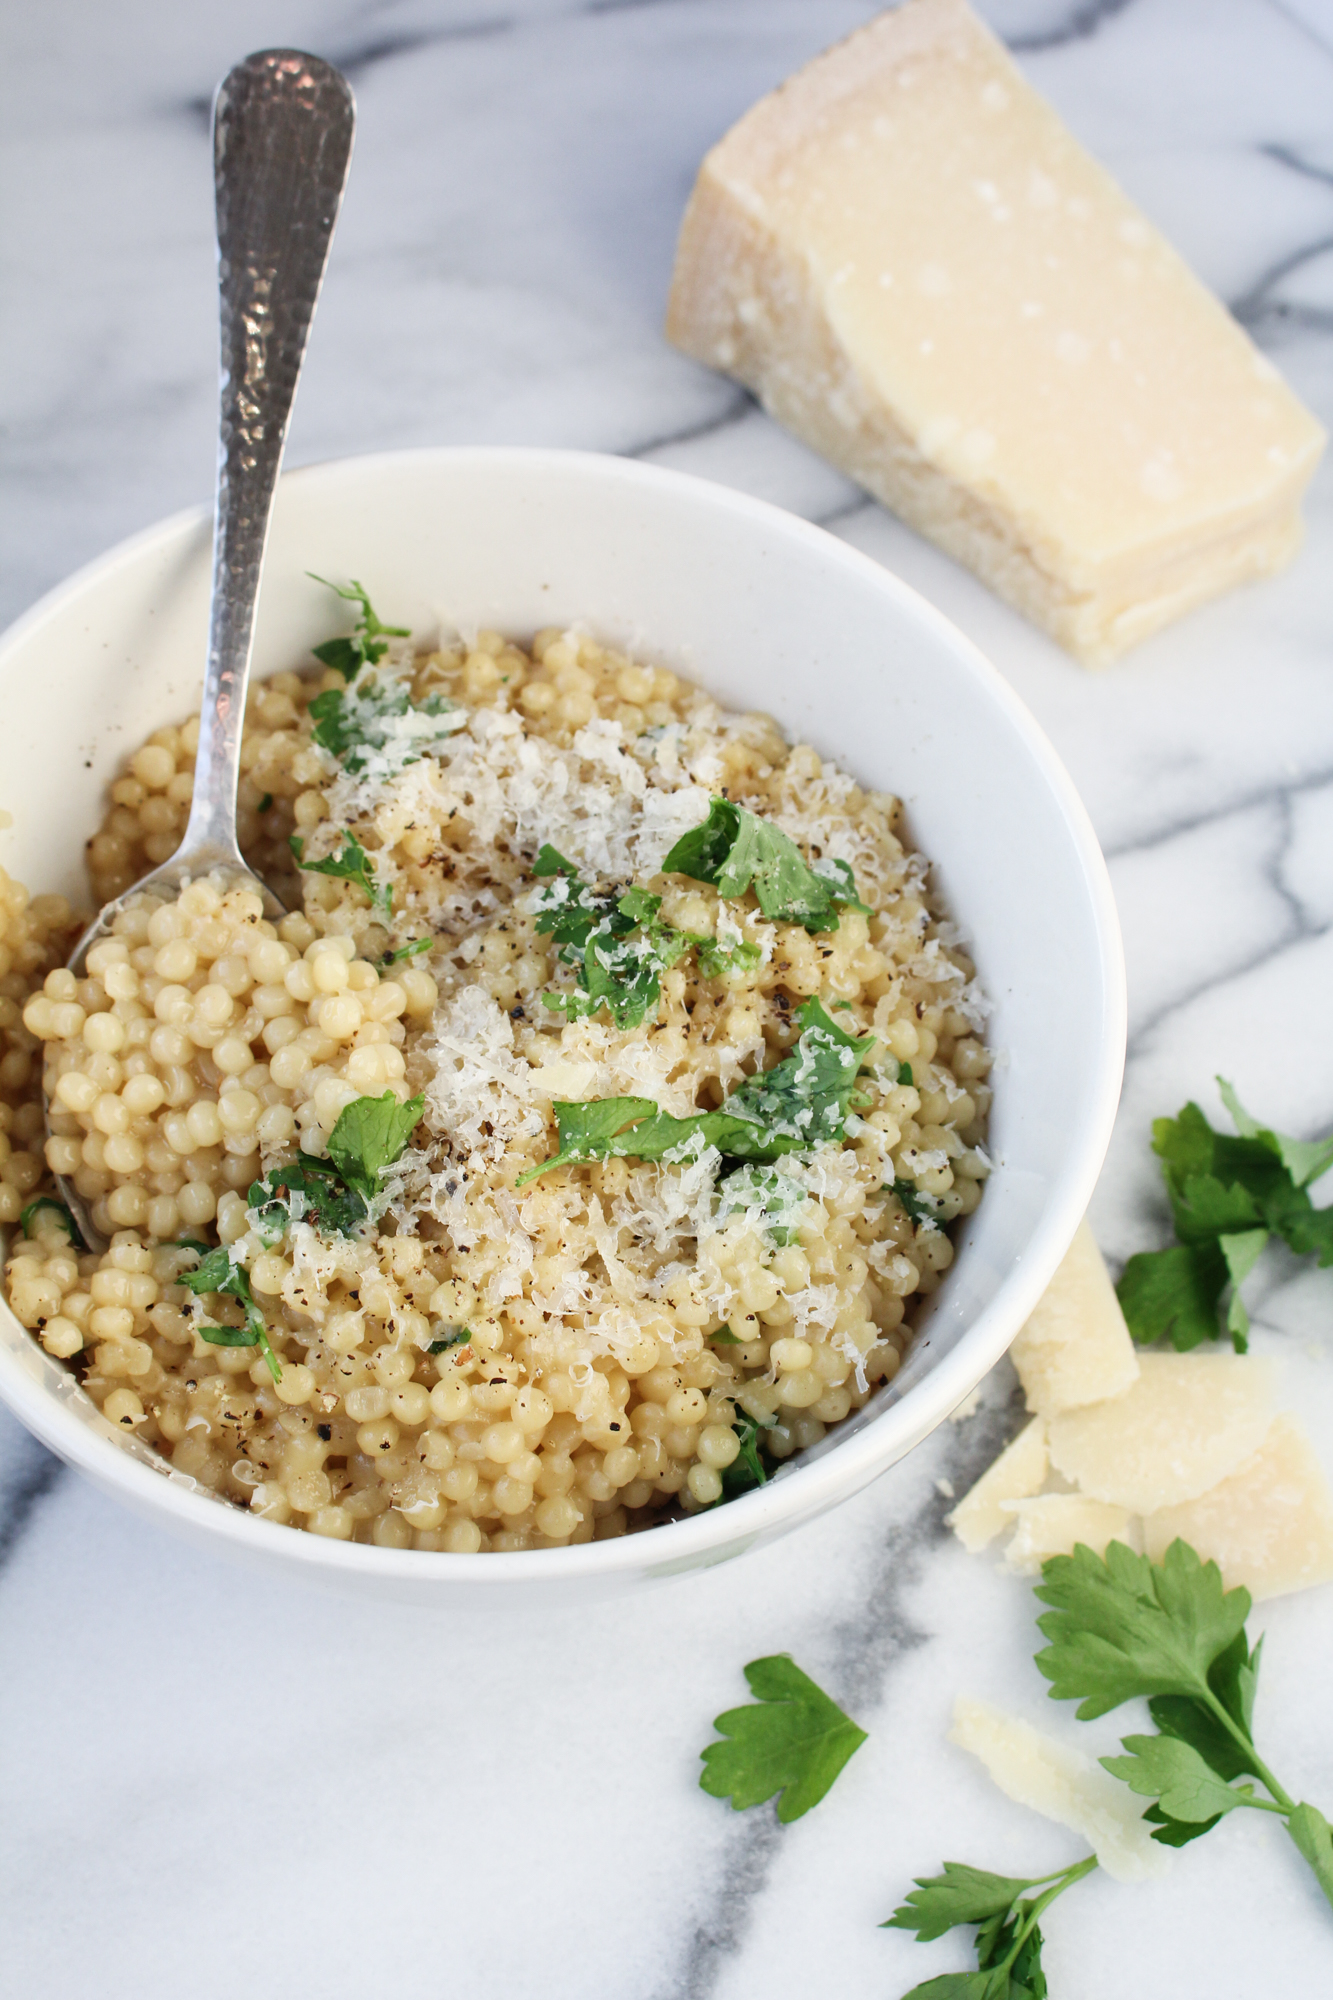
column 1285, row 1802
column 1034, row 1907
column 271, row 1360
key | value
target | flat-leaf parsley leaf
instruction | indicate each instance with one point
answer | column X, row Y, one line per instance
column 792, row 1739
column 219, row 1272
column 801, row 1103
column 734, row 850
column 350, row 864
column 337, row 1195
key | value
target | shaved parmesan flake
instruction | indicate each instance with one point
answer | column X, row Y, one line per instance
column 1019, row 1470
column 1075, row 1348
column 1034, row 1770
column 1269, row 1526
column 1189, row 1421
column 1055, row 1523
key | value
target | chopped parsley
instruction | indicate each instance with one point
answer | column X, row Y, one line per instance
column 800, row 1103
column 770, row 1198
column 57, row 1209
column 1228, row 1195
column 336, row 1195
column 617, row 944
column 379, row 719
column 413, row 950
column 734, row 850
column 721, row 961
column 458, row 1338
column 747, row 1469
column 218, row 1271
column 351, row 864
column 792, row 1739
column 305, row 1190
column 921, row 1209
column 266, row 803
column 367, row 644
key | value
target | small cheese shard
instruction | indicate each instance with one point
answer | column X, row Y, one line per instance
column 1075, row 1348
column 912, row 263
column 1055, row 1523
column 1189, row 1421
column 1019, row 1470
column 1034, row 1770
column 1269, row 1526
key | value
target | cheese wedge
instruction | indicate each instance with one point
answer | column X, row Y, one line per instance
column 1075, row 1348
column 1055, row 1523
column 1189, row 1421
column 1269, row 1526
column 915, row 267
column 1034, row 1770
column 1019, row 1470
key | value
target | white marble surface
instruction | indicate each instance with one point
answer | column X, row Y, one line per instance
column 212, row 1786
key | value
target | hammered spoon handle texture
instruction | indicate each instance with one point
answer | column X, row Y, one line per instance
column 282, row 143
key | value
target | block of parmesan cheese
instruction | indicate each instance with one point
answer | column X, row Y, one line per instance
column 1189, row 1421
column 1034, row 1770
column 908, row 258
column 1075, row 1348
column 1269, row 1526
column 1054, row 1524
column 1019, row 1470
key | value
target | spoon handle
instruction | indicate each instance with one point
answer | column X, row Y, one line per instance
column 282, row 144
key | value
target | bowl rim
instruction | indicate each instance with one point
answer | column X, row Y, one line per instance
column 805, row 1488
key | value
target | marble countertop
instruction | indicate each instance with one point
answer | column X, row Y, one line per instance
column 209, row 1781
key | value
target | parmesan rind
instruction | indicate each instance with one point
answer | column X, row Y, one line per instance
column 1189, row 1421
column 1034, row 1770
column 1269, row 1526
column 1019, row 1470
column 1075, row 1348
column 918, row 270
column 1054, row 1524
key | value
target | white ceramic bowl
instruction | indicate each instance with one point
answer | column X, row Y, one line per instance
column 766, row 612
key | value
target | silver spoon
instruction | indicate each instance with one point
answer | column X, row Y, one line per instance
column 282, row 144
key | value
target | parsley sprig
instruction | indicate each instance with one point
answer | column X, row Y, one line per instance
column 218, row 1271
column 734, row 850
column 1008, row 1940
column 367, row 644
column 1228, row 1196
column 802, row 1102
column 792, row 1739
column 1121, row 1628
column 350, row 864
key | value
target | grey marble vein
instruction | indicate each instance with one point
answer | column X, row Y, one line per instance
column 862, row 1649
column 28, row 1473
column 1079, row 24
